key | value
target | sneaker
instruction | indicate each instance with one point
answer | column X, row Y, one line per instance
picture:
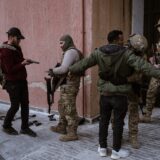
column 120, row 154
column 10, row 131
column 102, row 152
column 29, row 132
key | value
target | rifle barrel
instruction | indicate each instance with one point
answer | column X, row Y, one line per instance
column 32, row 61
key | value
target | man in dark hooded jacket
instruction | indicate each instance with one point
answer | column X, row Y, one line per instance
column 13, row 66
column 68, row 121
column 115, row 63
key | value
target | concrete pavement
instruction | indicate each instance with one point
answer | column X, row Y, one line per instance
column 47, row 146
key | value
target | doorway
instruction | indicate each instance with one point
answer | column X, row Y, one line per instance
column 151, row 16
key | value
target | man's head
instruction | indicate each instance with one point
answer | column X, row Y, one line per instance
column 14, row 36
column 138, row 42
column 115, row 37
column 66, row 42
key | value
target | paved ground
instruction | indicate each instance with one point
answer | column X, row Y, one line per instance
column 47, row 146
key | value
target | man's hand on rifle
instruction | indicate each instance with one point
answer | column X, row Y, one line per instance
column 50, row 72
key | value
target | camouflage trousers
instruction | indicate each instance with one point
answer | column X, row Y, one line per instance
column 67, row 107
column 133, row 100
column 151, row 96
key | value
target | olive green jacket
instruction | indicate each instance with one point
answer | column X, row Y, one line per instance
column 125, row 62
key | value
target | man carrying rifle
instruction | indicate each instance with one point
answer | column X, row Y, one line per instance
column 68, row 121
column 13, row 65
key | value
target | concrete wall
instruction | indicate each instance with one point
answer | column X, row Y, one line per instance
column 44, row 21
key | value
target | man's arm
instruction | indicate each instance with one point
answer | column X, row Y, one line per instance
column 139, row 64
column 69, row 58
column 84, row 64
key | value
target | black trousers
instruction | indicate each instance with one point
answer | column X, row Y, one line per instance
column 119, row 106
column 18, row 94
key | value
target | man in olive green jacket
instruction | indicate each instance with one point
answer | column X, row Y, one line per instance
column 115, row 63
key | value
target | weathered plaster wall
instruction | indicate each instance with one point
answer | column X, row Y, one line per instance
column 44, row 21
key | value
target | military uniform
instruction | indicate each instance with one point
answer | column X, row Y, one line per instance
column 67, row 105
column 134, row 99
column 154, row 84
column 150, row 99
column 68, row 120
column 133, row 119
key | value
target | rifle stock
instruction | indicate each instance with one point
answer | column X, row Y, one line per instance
column 52, row 83
column 50, row 95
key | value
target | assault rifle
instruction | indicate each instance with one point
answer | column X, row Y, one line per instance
column 52, row 83
column 49, row 93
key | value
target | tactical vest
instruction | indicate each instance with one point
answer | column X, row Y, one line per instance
column 72, row 79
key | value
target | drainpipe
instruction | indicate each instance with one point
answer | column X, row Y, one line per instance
column 83, row 50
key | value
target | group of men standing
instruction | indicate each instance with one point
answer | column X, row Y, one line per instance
column 120, row 74
column 119, row 68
